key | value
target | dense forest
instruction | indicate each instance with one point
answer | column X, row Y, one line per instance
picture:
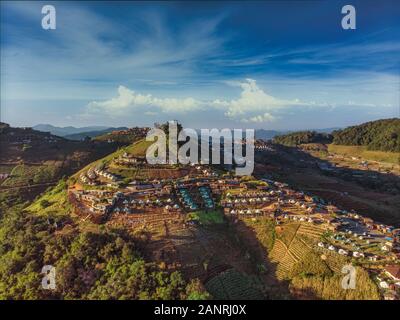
column 301, row 137
column 101, row 264
column 382, row 135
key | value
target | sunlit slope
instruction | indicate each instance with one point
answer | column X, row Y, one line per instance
column 55, row 200
column 137, row 149
column 364, row 153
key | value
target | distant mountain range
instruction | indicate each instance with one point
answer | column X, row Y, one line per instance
column 79, row 133
column 268, row 134
column 74, row 133
column 63, row 131
column 92, row 134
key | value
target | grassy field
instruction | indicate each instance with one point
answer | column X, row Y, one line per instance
column 328, row 287
column 139, row 148
column 313, row 273
column 26, row 174
column 361, row 151
column 206, row 218
column 103, row 161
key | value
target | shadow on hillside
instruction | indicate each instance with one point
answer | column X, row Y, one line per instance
column 211, row 250
column 263, row 266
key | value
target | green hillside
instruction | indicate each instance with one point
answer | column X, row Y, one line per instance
column 137, row 149
column 32, row 160
column 379, row 135
column 364, row 153
column 383, row 135
column 55, row 201
column 90, row 259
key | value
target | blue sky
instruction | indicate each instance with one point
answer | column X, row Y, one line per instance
column 265, row 64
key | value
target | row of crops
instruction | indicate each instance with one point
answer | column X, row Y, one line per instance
column 232, row 284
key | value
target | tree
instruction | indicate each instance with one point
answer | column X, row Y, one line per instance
column 45, row 203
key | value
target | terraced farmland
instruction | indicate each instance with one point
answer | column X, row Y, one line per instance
column 298, row 248
column 335, row 262
column 232, row 284
column 278, row 251
column 285, row 266
column 287, row 232
column 293, row 245
column 311, row 231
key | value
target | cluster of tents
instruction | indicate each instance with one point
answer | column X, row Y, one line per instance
column 189, row 202
column 205, row 194
column 187, row 199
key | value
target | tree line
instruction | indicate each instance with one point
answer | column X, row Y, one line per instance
column 302, row 137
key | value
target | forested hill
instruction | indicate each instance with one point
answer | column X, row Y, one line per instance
column 383, row 135
column 300, row 137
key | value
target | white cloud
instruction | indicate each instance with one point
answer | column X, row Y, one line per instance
column 266, row 117
column 253, row 105
column 129, row 100
column 255, row 100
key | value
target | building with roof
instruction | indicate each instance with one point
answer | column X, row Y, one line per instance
column 393, row 272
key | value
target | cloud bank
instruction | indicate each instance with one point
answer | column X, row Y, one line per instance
column 253, row 104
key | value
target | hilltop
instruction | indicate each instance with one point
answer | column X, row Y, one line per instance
column 124, row 136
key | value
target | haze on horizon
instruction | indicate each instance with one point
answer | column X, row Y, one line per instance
column 271, row 65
